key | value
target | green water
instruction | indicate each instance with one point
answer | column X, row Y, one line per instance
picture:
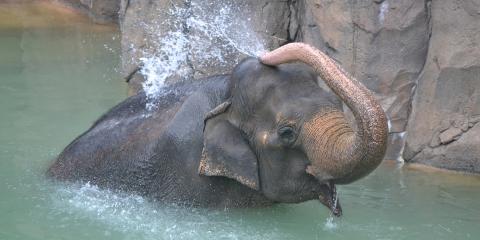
column 58, row 74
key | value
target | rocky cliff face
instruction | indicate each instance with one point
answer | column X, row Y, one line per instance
column 420, row 57
column 443, row 130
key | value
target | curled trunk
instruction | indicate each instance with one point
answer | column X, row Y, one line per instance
column 337, row 152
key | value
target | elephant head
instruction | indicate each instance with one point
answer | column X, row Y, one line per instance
column 281, row 134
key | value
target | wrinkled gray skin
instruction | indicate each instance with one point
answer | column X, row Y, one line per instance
column 226, row 141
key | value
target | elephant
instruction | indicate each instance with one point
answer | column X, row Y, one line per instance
column 266, row 133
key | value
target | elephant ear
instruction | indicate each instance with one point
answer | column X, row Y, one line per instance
column 227, row 153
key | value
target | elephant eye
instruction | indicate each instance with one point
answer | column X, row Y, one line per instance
column 287, row 134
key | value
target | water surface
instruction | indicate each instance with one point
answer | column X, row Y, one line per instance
column 58, row 74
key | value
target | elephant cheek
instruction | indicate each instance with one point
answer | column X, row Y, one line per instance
column 267, row 140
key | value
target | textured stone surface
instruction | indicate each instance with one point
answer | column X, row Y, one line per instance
column 443, row 129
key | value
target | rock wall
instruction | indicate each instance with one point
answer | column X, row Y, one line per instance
column 420, row 57
column 443, row 129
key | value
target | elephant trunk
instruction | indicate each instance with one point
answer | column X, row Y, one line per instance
column 336, row 152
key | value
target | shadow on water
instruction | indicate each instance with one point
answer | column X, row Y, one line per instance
column 58, row 74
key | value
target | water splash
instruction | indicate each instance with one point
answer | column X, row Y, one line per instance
column 134, row 217
column 202, row 37
column 170, row 55
column 330, row 223
column 383, row 10
column 227, row 30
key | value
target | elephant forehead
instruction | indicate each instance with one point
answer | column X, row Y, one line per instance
column 298, row 108
column 298, row 93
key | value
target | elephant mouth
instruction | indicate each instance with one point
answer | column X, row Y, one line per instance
column 328, row 197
